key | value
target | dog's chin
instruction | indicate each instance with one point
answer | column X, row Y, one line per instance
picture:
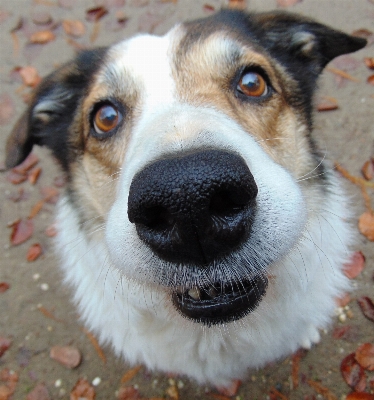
column 219, row 304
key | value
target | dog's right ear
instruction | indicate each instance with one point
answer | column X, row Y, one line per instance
column 47, row 120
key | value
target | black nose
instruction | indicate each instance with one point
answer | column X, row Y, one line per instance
column 193, row 208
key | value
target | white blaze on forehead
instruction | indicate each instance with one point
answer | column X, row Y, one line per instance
column 145, row 61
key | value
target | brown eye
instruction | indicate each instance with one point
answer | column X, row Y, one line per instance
column 252, row 84
column 106, row 118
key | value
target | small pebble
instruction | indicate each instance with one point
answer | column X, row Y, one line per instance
column 44, row 287
column 96, row 381
column 180, row 385
column 58, row 383
column 36, row 277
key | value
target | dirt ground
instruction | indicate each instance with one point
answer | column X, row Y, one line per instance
column 35, row 312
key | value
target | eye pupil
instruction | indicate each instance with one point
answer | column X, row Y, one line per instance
column 106, row 119
column 252, row 84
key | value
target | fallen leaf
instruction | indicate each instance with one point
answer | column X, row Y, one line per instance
column 321, row 390
column 82, row 390
column 353, row 373
column 369, row 62
column 42, row 37
column 40, row 392
column 15, row 177
column 18, row 26
column 287, row 3
column 130, row 374
column 359, row 396
column 230, row 390
column 11, row 379
column 367, row 307
column 3, row 288
column 30, row 161
column 6, row 108
column 363, row 33
column 74, row 28
column 342, row 73
column 371, row 80
column 5, row 343
column 41, row 18
column 96, row 13
column 365, row 356
column 355, row 266
column 34, row 252
column 366, row 225
column 346, row 332
column 95, row 344
column 276, row 394
column 367, row 169
column 48, row 314
column 327, row 103
column 128, row 393
column 30, row 76
column 209, row 8
column 22, row 230
column 237, row 4
column 68, row 356
column 33, row 175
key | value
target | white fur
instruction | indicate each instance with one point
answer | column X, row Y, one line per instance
column 118, row 288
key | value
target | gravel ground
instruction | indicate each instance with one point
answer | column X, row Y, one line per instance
column 35, row 312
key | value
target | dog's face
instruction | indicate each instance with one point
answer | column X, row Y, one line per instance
column 190, row 150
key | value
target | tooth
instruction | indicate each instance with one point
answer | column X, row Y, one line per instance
column 194, row 293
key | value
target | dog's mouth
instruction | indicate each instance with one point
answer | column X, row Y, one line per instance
column 217, row 304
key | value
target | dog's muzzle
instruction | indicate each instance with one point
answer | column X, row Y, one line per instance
column 194, row 209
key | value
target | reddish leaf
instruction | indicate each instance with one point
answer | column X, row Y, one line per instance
column 30, row 76
column 68, row 356
column 365, row 356
column 367, row 169
column 34, row 251
column 4, row 287
column 353, row 373
column 366, row 225
column 367, row 307
column 82, row 389
column 74, row 28
column 359, row 396
column 6, row 108
column 33, row 175
column 327, row 103
column 230, row 390
column 22, row 231
column 363, row 32
column 96, row 13
column 27, row 164
column 5, row 343
column 40, row 392
column 355, row 266
column 369, row 62
column 15, row 178
column 287, row 3
column 371, row 80
column 42, row 37
column 209, row 8
column 128, row 393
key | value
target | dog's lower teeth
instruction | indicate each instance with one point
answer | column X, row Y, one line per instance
column 194, row 293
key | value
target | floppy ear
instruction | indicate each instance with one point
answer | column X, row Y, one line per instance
column 290, row 37
column 47, row 120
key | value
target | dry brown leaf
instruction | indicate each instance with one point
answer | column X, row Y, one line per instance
column 237, row 4
column 33, row 175
column 67, row 356
column 365, row 356
column 22, row 230
column 36, row 209
column 355, row 266
column 5, row 343
column 342, row 73
column 366, row 225
column 209, row 8
column 128, row 393
column 277, row 394
column 30, row 76
column 42, row 37
column 48, row 314
column 95, row 344
column 82, row 390
column 287, row 3
column 363, row 33
column 369, row 62
column 367, row 169
column 6, row 108
column 74, row 27
column 128, row 375
column 325, row 392
column 370, row 79
column 359, row 396
column 96, row 13
column 34, row 252
column 353, row 373
column 367, row 307
column 327, row 103
column 3, row 288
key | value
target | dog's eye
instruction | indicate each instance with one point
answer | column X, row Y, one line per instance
column 252, row 84
column 106, row 118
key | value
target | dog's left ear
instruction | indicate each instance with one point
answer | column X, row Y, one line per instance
column 290, row 37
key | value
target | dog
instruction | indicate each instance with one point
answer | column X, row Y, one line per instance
column 202, row 230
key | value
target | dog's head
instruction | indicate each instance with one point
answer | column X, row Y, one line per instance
column 188, row 149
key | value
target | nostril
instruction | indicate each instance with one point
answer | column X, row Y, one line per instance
column 158, row 218
column 227, row 203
